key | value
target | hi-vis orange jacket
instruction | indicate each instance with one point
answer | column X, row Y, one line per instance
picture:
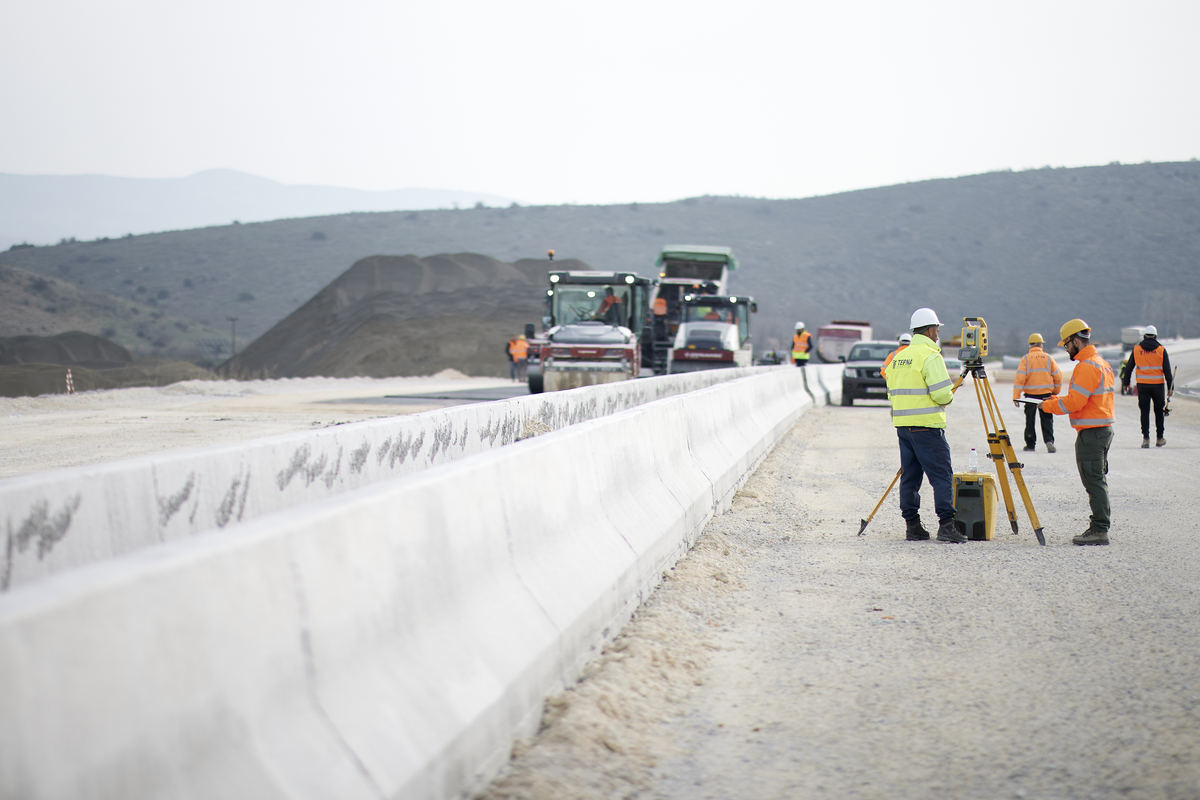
column 1037, row 375
column 1089, row 398
column 1149, row 364
column 801, row 345
column 518, row 348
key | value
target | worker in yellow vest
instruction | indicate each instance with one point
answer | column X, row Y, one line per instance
column 1038, row 378
column 801, row 345
column 920, row 388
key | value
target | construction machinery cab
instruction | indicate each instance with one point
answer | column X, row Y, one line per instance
column 714, row 331
column 687, row 269
column 593, row 328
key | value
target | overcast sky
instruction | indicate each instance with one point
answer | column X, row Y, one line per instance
column 601, row 102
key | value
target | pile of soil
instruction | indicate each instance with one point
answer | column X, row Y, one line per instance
column 36, row 365
column 404, row 315
column 74, row 349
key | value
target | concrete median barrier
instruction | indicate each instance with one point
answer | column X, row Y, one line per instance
column 386, row 642
column 62, row 519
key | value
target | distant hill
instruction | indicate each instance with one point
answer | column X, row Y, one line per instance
column 403, row 315
column 1117, row 245
column 44, row 209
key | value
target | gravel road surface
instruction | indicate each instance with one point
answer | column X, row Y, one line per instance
column 787, row 657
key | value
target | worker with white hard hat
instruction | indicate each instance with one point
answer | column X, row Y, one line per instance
column 1151, row 365
column 801, row 345
column 920, row 388
column 1038, row 377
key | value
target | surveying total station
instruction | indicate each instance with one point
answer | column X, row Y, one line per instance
column 1000, row 450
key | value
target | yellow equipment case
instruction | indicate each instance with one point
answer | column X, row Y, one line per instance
column 975, row 504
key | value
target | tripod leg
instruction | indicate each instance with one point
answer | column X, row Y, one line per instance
column 987, row 413
column 867, row 521
column 1007, row 455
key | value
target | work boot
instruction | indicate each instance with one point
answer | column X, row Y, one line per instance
column 1161, row 441
column 948, row 532
column 1029, row 448
column 1091, row 537
column 1050, row 448
column 1146, row 442
column 916, row 531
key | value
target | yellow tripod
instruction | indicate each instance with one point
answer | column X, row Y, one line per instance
column 1000, row 449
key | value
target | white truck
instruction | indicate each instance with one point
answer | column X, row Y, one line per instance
column 835, row 339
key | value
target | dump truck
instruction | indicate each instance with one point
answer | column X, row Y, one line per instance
column 592, row 330
column 714, row 332
column 835, row 339
column 684, row 269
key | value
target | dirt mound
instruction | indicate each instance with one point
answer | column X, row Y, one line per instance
column 30, row 380
column 403, row 315
column 74, row 349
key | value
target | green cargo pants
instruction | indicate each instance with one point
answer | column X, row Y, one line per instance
column 1091, row 458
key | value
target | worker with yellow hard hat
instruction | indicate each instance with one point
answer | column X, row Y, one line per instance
column 1038, row 378
column 1089, row 402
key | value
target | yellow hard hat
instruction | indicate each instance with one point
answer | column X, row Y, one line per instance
column 1036, row 338
column 1071, row 328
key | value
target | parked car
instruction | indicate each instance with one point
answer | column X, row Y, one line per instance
column 861, row 379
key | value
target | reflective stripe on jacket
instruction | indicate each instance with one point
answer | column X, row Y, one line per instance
column 1037, row 374
column 801, row 344
column 919, row 386
column 1089, row 399
column 1148, row 364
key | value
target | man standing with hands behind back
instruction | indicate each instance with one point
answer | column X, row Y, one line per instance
column 1090, row 403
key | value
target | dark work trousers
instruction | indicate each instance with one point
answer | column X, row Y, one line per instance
column 1152, row 393
column 1031, row 413
column 1091, row 458
column 924, row 451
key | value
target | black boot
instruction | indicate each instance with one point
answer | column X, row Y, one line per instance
column 916, row 531
column 948, row 532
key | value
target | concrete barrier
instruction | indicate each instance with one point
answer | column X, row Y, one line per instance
column 387, row 642
column 62, row 519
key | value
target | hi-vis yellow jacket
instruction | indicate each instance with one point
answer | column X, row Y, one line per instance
column 919, row 386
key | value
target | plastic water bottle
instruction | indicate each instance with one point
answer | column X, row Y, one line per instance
column 973, row 461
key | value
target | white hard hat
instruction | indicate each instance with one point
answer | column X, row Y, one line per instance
column 923, row 317
column 799, row 324
column 1151, row 331
column 905, row 338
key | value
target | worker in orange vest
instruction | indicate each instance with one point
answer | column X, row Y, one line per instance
column 1152, row 367
column 518, row 357
column 1090, row 403
column 1038, row 377
column 801, row 345
column 904, row 341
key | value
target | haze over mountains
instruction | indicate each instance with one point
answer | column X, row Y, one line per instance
column 1117, row 245
column 45, row 209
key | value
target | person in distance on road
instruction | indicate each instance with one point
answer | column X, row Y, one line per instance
column 1038, row 377
column 920, row 388
column 1089, row 401
column 1152, row 367
column 801, row 345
